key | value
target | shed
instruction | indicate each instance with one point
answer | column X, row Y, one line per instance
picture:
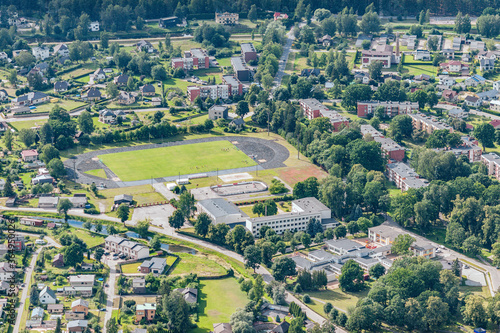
column 123, row 198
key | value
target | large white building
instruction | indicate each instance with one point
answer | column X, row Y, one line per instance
column 222, row 211
column 41, row 53
column 303, row 210
column 6, row 271
column 492, row 161
column 127, row 247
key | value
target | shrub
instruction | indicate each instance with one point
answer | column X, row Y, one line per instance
column 306, row 298
column 92, row 211
column 327, row 307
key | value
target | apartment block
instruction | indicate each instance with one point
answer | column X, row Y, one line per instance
column 193, row 59
column 469, row 147
column 235, row 86
column 391, row 109
column 428, row 124
column 240, row 68
column 125, row 246
column 248, row 52
column 389, row 147
column 303, row 210
column 404, row 176
column 313, row 108
column 383, row 53
column 492, row 161
column 212, row 91
column 386, row 234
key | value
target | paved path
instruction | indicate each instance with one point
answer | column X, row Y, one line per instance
column 484, row 114
column 77, row 212
column 24, row 295
column 284, row 59
column 110, row 291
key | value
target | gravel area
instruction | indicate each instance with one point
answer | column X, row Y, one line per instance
column 269, row 153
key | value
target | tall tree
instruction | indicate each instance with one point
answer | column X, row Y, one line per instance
column 63, row 207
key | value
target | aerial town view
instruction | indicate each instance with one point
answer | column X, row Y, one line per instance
column 193, row 166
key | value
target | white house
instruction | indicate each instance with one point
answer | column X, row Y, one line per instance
column 421, row 54
column 446, row 80
column 6, row 271
column 496, row 85
column 94, row 26
column 41, row 53
column 472, row 101
column 47, row 296
column 61, row 50
column 99, row 74
column 127, row 247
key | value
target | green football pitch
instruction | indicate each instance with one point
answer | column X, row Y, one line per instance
column 171, row 161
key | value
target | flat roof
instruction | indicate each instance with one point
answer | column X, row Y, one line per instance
column 310, row 205
column 238, row 64
column 220, row 207
column 247, row 47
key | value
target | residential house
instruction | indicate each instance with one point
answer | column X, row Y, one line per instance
column 31, row 222
column 76, row 291
column 55, row 308
column 237, row 123
column 224, row 327
column 31, row 98
column 146, row 311
column 47, row 296
column 123, row 198
column 37, row 313
column 280, row 16
column 474, row 80
column 3, row 95
column 94, row 26
column 29, row 155
column 99, row 74
column 78, row 201
column 7, row 271
column 82, row 280
column 70, row 315
column 457, row 113
column 326, row 40
column 125, row 98
column 154, row 265
column 450, row 95
column 422, row 55
column 80, row 305
column 41, row 52
column 127, row 247
column 19, row 242
column 42, row 179
column 145, row 46
column 77, row 326
column 58, row 260
column 121, row 80
column 472, row 101
column 4, row 56
column 61, row 86
column 487, row 95
column 107, row 116
column 486, row 64
column 281, row 327
column 454, row 66
column 306, row 72
column 139, row 285
column 496, row 85
column 446, row 80
column 61, row 50
column 495, row 106
column 189, row 294
column 227, row 18
column 218, row 112
column 148, row 90
column 93, row 94
column 449, row 53
column 466, row 57
column 156, row 101
column 362, row 77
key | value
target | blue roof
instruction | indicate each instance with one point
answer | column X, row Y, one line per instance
column 37, row 312
column 478, row 77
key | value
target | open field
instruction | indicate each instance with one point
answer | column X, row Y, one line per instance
column 65, row 104
column 199, row 264
column 213, row 308
column 340, row 299
column 19, row 125
column 169, row 161
column 143, row 194
column 90, row 239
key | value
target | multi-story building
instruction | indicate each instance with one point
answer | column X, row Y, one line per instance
column 428, row 124
column 492, row 161
column 303, row 210
column 469, row 147
column 94, row 26
column 313, row 108
column 222, row 211
column 454, row 66
column 235, row 86
column 382, row 53
column 41, row 52
column 227, row 18
column 248, row 52
column 390, row 148
column 146, row 310
column 193, row 59
column 240, row 68
column 404, row 176
column 385, row 234
column 61, row 50
column 213, row 91
column 391, row 109
column 127, row 247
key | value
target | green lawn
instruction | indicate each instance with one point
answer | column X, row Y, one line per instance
column 90, row 239
column 97, row 172
column 19, row 125
column 65, row 104
column 224, row 62
column 143, row 194
column 337, row 297
column 169, row 161
column 420, row 69
column 218, row 300
column 198, row 264
column 131, row 268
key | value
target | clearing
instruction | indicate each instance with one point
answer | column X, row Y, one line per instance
column 170, row 161
column 213, row 308
column 199, row 264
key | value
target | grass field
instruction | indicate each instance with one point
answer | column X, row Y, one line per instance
column 90, row 239
column 97, row 172
column 19, row 125
column 143, row 194
column 198, row 264
column 65, row 104
column 337, row 297
column 213, row 308
column 169, row 161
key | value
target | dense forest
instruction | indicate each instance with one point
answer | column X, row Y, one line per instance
column 148, row 9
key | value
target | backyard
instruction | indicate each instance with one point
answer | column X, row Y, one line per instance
column 170, row 161
column 202, row 265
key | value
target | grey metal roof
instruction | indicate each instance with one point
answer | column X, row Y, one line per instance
column 344, row 244
column 310, row 204
column 247, row 47
column 155, row 263
column 220, row 207
column 238, row 64
column 124, row 197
